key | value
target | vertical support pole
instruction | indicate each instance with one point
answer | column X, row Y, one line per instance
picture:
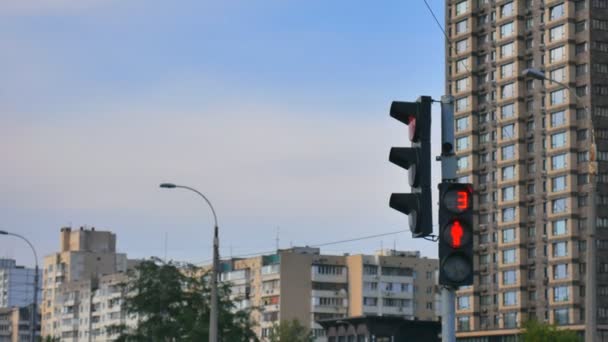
column 448, row 313
column 213, row 319
column 34, row 313
column 448, row 174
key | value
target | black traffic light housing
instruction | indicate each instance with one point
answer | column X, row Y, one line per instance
column 417, row 160
column 455, row 234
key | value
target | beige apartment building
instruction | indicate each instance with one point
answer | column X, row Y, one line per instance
column 81, row 292
column 15, row 323
column 526, row 144
column 300, row 283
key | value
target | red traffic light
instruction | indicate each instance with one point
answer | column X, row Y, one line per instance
column 458, row 200
column 456, row 235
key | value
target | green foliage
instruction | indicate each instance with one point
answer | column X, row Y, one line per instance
column 290, row 331
column 172, row 302
column 51, row 339
column 535, row 331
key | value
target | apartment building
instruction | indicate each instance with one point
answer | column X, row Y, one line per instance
column 81, row 293
column 300, row 283
column 15, row 324
column 16, row 284
column 526, row 145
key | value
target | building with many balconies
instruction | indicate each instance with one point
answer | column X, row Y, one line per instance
column 526, row 145
column 300, row 283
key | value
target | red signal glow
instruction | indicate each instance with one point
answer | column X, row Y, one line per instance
column 462, row 200
column 456, row 234
column 411, row 123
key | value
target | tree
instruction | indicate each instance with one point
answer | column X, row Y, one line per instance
column 290, row 331
column 172, row 303
column 542, row 332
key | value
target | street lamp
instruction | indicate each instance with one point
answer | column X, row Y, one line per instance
column 36, row 279
column 213, row 319
column 590, row 288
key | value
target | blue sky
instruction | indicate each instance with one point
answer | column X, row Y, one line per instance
column 276, row 110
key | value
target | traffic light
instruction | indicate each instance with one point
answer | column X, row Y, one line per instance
column 417, row 160
column 455, row 234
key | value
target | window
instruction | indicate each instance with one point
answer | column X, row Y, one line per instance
column 508, row 131
column 580, row 48
column 462, row 104
column 509, row 298
column 556, row 33
column 462, row 123
column 558, row 118
column 558, row 74
column 508, row 172
column 508, row 193
column 462, row 7
column 559, row 205
column 508, row 235
column 461, row 26
column 580, row 26
column 556, row 12
column 462, row 84
column 558, row 97
column 560, row 271
column 509, row 277
column 462, row 143
column 581, row 69
column 461, row 65
column 508, row 256
column 464, row 303
column 463, row 323
column 561, row 316
column 559, row 161
column 506, row 30
column 506, row 70
column 507, row 90
column 510, row 320
column 560, row 294
column 507, row 50
column 508, row 214
column 560, row 249
column 557, row 54
column 558, row 140
column 506, row 10
column 558, row 183
column 463, row 163
column 508, row 152
column 462, row 46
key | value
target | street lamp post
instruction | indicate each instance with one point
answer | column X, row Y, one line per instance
column 591, row 260
column 213, row 319
column 34, row 311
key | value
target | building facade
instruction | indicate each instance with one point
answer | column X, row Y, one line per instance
column 300, row 283
column 15, row 323
column 16, row 284
column 81, row 293
column 526, row 145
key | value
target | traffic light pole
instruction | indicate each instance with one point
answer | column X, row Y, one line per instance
column 448, row 174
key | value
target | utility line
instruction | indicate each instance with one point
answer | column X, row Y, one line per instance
column 316, row 245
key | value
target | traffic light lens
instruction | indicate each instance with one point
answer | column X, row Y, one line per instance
column 457, row 267
column 456, row 235
column 411, row 124
column 457, row 201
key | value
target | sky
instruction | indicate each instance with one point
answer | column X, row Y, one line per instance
column 278, row 111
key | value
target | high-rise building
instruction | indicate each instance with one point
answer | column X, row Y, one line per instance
column 526, row 145
column 81, row 292
column 300, row 283
column 16, row 284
